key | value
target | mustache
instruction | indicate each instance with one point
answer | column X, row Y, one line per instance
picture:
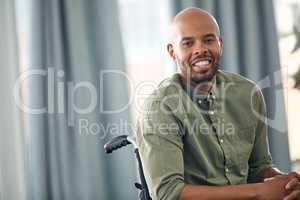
column 199, row 57
column 188, row 63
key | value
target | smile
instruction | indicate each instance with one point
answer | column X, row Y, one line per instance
column 202, row 64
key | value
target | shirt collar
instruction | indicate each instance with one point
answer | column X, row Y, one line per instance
column 196, row 95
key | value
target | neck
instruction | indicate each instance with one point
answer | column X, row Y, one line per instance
column 201, row 87
column 204, row 87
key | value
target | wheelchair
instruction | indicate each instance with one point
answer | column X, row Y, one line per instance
column 124, row 140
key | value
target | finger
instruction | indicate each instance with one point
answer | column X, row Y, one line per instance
column 292, row 184
column 298, row 176
column 293, row 195
column 294, row 174
column 268, row 179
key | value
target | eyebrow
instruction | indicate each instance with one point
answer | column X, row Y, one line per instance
column 209, row 35
column 204, row 36
column 186, row 38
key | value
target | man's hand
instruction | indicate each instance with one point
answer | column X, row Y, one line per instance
column 293, row 186
column 273, row 188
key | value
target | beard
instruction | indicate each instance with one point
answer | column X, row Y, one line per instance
column 196, row 77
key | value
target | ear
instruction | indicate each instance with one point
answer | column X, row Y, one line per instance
column 221, row 45
column 170, row 50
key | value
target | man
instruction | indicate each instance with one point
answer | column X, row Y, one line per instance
column 202, row 134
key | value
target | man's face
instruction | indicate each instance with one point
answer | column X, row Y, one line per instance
column 196, row 48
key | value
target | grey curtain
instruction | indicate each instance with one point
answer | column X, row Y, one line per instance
column 251, row 49
column 52, row 150
column 12, row 171
column 67, row 72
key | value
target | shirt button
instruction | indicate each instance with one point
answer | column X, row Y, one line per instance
column 221, row 140
column 211, row 112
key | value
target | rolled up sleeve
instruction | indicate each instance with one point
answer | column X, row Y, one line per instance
column 161, row 150
column 260, row 157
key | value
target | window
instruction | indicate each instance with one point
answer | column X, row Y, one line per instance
column 288, row 25
column 144, row 27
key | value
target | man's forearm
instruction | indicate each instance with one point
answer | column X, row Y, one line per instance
column 271, row 189
column 230, row 192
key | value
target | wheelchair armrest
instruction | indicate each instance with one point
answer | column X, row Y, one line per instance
column 116, row 143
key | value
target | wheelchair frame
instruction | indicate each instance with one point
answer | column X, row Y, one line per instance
column 124, row 140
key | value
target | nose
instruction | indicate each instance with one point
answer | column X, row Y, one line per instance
column 200, row 48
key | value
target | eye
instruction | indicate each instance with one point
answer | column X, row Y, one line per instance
column 209, row 40
column 187, row 43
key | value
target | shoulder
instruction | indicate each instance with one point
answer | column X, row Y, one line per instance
column 165, row 95
column 236, row 82
column 240, row 86
column 168, row 87
column 226, row 76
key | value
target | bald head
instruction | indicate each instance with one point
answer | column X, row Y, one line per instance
column 195, row 45
column 193, row 16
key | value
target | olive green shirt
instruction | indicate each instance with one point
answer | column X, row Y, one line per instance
column 182, row 140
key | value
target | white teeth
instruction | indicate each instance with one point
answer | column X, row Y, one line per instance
column 202, row 63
